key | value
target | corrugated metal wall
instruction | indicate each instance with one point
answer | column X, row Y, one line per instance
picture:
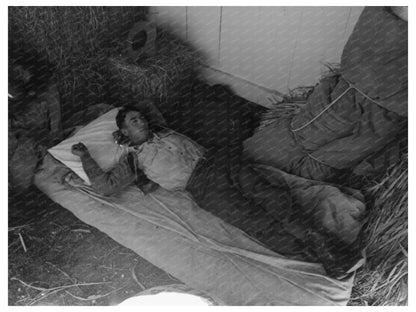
column 278, row 48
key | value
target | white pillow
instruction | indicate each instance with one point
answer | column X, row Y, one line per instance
column 98, row 137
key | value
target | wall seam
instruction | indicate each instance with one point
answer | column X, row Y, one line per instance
column 186, row 23
column 294, row 51
column 219, row 39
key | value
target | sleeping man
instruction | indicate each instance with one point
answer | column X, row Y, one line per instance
column 156, row 156
column 221, row 182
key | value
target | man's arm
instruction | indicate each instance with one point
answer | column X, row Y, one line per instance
column 110, row 182
column 114, row 180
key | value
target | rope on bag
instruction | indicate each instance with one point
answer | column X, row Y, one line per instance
column 322, row 112
column 350, row 86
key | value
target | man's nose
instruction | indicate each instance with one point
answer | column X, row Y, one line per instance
column 141, row 123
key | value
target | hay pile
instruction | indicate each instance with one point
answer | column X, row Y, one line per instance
column 87, row 48
column 384, row 279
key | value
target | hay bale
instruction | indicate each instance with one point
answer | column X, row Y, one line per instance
column 77, row 41
column 384, row 279
column 285, row 105
column 87, row 45
column 160, row 77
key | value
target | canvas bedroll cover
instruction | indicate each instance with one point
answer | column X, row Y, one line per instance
column 169, row 230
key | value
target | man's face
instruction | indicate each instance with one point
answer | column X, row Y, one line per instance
column 135, row 127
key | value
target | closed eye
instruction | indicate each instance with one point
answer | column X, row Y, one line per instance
column 135, row 119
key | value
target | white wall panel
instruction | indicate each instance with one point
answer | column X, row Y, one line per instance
column 258, row 43
column 285, row 23
column 277, row 48
column 239, row 31
column 322, row 30
column 204, row 31
column 172, row 18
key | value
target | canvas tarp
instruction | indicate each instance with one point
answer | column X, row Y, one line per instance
column 169, row 230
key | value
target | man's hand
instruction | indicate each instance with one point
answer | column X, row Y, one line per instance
column 79, row 149
column 150, row 187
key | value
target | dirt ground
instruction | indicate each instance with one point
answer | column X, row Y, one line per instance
column 56, row 259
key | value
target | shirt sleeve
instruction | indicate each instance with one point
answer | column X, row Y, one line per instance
column 112, row 181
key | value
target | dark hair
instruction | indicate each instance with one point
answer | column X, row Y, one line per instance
column 121, row 116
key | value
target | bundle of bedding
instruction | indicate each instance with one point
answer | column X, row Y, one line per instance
column 245, row 234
